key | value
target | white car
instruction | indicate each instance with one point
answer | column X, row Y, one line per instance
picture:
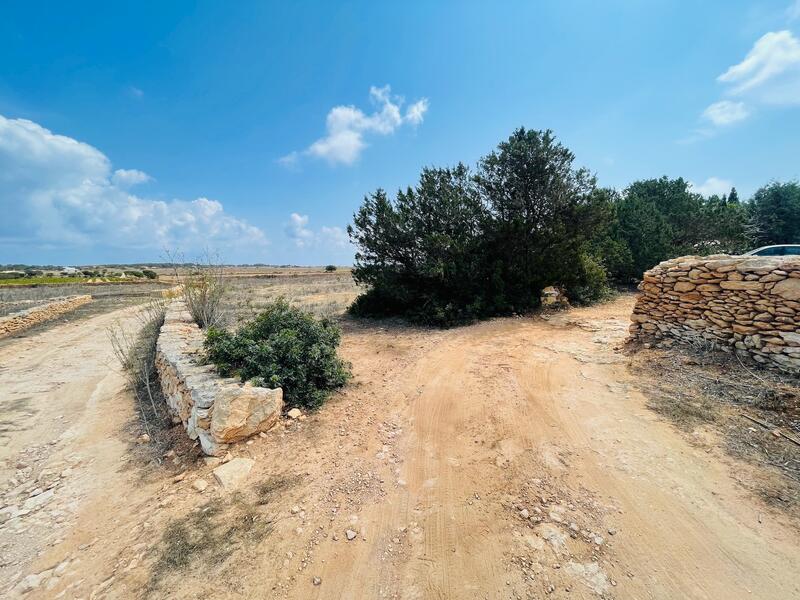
column 777, row 250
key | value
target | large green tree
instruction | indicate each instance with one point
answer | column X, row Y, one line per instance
column 724, row 221
column 457, row 246
column 663, row 218
column 543, row 213
column 421, row 254
column 775, row 214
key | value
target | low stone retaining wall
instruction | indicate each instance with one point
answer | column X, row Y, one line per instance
column 39, row 314
column 746, row 304
column 214, row 410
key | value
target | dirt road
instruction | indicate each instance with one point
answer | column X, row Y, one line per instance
column 510, row 459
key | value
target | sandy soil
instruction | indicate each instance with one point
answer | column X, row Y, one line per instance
column 510, row 459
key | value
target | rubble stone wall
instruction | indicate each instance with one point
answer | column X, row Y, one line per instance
column 746, row 304
column 39, row 314
column 215, row 410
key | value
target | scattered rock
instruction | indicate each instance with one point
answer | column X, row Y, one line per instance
column 316, row 581
column 231, row 475
column 350, row 534
column 294, row 413
column 200, row 485
column 144, row 438
column 29, row 583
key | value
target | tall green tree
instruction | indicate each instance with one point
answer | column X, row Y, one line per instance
column 724, row 221
column 421, row 254
column 659, row 219
column 458, row 247
column 775, row 214
column 543, row 214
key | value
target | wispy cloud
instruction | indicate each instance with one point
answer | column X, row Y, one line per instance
column 347, row 127
column 712, row 186
column 769, row 75
column 726, row 112
column 303, row 237
column 129, row 177
column 771, row 70
column 59, row 192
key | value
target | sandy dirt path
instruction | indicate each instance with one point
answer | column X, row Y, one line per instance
column 64, row 462
column 510, row 459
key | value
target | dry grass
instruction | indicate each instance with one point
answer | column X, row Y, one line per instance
column 209, row 535
column 698, row 387
column 206, row 537
column 323, row 294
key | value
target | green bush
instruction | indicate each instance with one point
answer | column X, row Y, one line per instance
column 330, row 268
column 150, row 274
column 134, row 273
column 592, row 281
column 283, row 347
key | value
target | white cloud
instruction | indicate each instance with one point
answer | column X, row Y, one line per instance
column 303, row 237
column 296, row 229
column 770, row 73
column 347, row 127
column 129, row 177
column 290, row 160
column 712, row 186
column 335, row 236
column 59, row 192
column 416, row 112
column 726, row 112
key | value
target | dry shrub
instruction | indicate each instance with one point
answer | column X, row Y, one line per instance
column 203, row 289
column 136, row 353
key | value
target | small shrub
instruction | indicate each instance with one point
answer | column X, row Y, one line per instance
column 150, row 274
column 137, row 274
column 330, row 268
column 283, row 347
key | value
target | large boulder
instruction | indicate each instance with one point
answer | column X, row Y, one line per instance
column 240, row 412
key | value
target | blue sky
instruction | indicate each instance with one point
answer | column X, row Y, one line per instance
column 256, row 128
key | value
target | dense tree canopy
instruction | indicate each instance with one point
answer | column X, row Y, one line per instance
column 775, row 214
column 461, row 245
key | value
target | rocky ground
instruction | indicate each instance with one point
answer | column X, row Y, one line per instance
column 515, row 458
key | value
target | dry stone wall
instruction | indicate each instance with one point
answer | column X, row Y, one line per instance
column 746, row 304
column 215, row 410
column 39, row 314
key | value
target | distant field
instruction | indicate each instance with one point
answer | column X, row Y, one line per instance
column 321, row 293
column 26, row 281
column 14, row 298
